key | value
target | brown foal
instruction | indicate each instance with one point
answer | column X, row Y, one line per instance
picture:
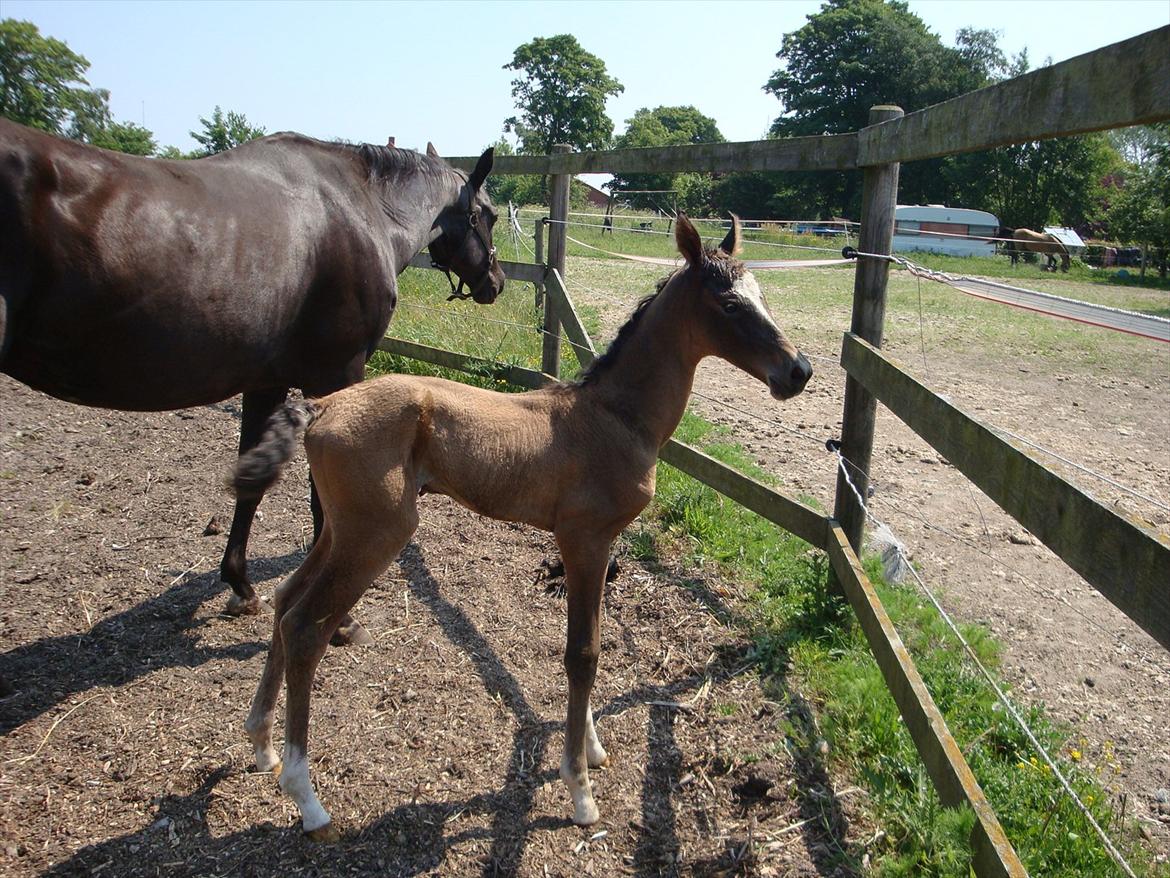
column 576, row 459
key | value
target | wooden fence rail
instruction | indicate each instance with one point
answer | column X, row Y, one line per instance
column 1125, row 562
column 1127, row 83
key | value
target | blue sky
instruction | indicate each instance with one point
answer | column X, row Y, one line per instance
column 433, row 71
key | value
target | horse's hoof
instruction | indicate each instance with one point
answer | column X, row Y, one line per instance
column 276, row 770
column 326, row 834
column 238, row 606
column 603, row 763
column 352, row 634
column 586, row 814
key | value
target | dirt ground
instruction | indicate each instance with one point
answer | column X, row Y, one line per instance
column 123, row 750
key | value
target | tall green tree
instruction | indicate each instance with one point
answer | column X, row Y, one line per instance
column 854, row 54
column 668, row 126
column 42, row 80
column 223, row 131
column 1140, row 211
column 43, row 85
column 560, row 91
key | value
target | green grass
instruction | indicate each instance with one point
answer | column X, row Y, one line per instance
column 807, row 646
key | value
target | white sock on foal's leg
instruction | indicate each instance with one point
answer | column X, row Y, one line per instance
column 294, row 780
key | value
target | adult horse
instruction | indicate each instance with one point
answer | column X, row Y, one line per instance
column 1027, row 241
column 578, row 460
column 146, row 284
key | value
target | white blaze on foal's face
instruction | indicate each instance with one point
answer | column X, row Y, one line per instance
column 749, row 293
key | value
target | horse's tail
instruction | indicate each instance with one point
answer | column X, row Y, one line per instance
column 260, row 467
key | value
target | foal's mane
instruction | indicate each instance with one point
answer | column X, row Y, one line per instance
column 718, row 271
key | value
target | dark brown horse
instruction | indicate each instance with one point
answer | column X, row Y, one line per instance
column 1026, row 241
column 577, row 460
column 146, row 284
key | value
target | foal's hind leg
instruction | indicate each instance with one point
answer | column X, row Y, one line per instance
column 586, row 561
column 258, row 406
column 263, row 711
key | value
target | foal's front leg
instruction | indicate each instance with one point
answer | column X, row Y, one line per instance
column 585, row 565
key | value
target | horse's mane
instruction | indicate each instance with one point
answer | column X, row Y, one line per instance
column 603, row 363
column 719, row 270
column 390, row 161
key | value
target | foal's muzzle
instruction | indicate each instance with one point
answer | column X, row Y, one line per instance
column 785, row 385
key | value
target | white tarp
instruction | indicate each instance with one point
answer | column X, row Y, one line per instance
column 1066, row 236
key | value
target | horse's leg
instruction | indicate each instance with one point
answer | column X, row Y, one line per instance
column 364, row 541
column 257, row 408
column 350, row 632
column 585, row 562
column 263, row 712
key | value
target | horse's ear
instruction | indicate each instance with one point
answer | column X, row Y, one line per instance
column 431, row 151
column 482, row 168
column 690, row 245
column 730, row 244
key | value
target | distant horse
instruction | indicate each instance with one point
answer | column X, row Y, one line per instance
column 1027, row 241
column 575, row 459
column 146, row 284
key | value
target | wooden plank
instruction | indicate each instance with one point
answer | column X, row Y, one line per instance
column 993, row 854
column 1127, row 83
column 517, row 375
column 879, row 196
column 521, row 271
column 1127, row 563
column 558, row 295
column 830, row 152
column 792, row 515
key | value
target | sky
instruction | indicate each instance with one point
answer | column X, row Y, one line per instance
column 363, row 71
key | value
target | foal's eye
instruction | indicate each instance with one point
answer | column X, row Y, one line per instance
column 730, row 307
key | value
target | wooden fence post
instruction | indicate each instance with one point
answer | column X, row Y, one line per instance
column 558, row 185
column 879, row 195
column 538, row 253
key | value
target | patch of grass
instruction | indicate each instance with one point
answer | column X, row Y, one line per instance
column 803, row 634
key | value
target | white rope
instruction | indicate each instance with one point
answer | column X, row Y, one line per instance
column 653, row 232
column 1003, row 699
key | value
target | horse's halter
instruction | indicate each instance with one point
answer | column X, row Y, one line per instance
column 473, row 227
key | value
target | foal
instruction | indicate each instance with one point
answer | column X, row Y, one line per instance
column 576, row 459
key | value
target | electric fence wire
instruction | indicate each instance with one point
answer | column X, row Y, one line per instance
column 999, row 693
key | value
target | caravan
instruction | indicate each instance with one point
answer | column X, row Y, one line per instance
column 935, row 228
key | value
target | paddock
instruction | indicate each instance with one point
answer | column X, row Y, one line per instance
column 161, row 786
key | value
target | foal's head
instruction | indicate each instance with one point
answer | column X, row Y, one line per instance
column 464, row 244
column 731, row 318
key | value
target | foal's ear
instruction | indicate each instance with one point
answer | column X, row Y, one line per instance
column 730, row 244
column 431, row 151
column 482, row 168
column 690, row 245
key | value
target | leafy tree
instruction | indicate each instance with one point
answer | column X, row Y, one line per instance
column 126, row 137
column 223, row 131
column 1140, row 211
column 668, row 126
column 561, row 92
column 43, row 85
column 42, row 80
column 854, row 54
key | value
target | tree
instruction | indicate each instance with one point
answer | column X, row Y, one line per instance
column 223, row 131
column 126, row 137
column 42, row 80
column 1140, row 212
column 855, row 54
column 561, row 93
column 668, row 126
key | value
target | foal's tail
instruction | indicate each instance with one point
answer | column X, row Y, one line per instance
column 259, row 468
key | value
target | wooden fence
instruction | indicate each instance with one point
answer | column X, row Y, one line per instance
column 1124, row 84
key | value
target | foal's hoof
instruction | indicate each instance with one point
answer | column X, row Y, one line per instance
column 326, row 834
column 352, row 634
column 586, row 813
column 238, row 606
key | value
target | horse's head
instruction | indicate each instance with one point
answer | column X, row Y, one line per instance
column 463, row 242
column 733, row 320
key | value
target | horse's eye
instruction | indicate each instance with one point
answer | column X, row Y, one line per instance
column 730, row 307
